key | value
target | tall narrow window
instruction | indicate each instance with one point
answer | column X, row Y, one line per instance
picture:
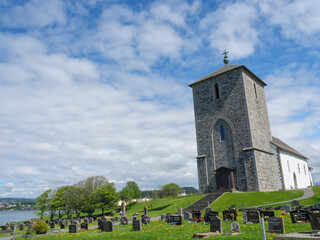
column 222, row 135
column 255, row 90
column 298, row 168
column 304, row 168
column 216, row 88
column 288, row 166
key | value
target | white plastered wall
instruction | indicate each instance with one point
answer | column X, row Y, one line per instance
column 290, row 164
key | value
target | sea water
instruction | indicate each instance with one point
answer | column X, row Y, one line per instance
column 16, row 216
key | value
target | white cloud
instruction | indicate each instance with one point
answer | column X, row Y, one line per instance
column 231, row 27
column 34, row 14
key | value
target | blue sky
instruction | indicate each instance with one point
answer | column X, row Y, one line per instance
column 93, row 87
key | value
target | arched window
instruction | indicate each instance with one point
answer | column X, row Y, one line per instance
column 222, row 135
column 255, row 90
column 216, row 89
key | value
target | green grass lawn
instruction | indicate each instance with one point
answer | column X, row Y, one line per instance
column 162, row 230
column 244, row 200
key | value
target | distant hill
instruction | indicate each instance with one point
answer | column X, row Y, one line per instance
column 10, row 200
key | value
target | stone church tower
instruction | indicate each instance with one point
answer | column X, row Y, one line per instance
column 233, row 132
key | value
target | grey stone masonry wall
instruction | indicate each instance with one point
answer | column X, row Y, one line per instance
column 241, row 108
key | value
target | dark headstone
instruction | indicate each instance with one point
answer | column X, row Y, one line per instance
column 267, row 214
column 136, row 225
column 277, row 208
column 62, row 226
column 73, row 228
column 317, row 206
column 276, row 225
column 252, row 216
column 163, row 217
column 230, row 215
column 168, row 216
column 286, row 208
column 314, row 218
column 209, row 215
column 52, row 225
column 21, row 227
column 299, row 216
column 208, row 209
column 295, row 203
column 176, row 219
column 4, row 227
column 216, row 225
column 107, row 226
column 123, row 220
column 116, row 219
column 84, row 226
column 145, row 219
column 196, row 215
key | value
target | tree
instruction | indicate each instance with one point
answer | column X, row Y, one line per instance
column 171, row 189
column 135, row 188
column 52, row 206
column 42, row 203
column 59, row 199
column 105, row 197
column 126, row 194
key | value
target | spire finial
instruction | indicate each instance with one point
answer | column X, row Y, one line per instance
column 225, row 59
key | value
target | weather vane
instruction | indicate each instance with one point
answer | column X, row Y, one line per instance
column 225, row 59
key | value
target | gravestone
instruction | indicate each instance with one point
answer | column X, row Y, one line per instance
column 186, row 216
column 123, row 220
column 295, row 203
column 216, row 225
column 145, row 219
column 168, row 216
column 52, row 225
column 136, row 225
column 230, row 215
column 62, row 226
column 163, row 217
column 84, row 226
column 21, row 227
column 116, row 219
column 112, row 220
column 276, row 225
column 299, row 216
column 314, row 218
column 145, row 211
column 3, row 227
column 107, row 226
column 210, row 215
column 286, row 208
column 278, row 208
column 235, row 227
column 196, row 215
column 253, row 216
column 29, row 226
column 180, row 211
column 267, row 214
column 317, row 206
column 12, row 226
column 73, row 228
column 176, row 219
column 90, row 220
column 208, row 209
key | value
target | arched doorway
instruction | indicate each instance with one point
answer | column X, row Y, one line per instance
column 225, row 178
column 295, row 180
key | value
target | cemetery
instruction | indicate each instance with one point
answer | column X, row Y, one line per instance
column 223, row 219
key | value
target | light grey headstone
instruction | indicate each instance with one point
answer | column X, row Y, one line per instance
column 235, row 227
column 286, row 208
column 186, row 215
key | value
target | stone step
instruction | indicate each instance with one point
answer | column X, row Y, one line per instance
column 204, row 202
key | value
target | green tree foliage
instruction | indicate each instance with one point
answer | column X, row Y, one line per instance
column 126, row 194
column 42, row 203
column 171, row 189
column 105, row 197
column 135, row 188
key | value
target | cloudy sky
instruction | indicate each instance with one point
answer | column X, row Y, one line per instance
column 91, row 87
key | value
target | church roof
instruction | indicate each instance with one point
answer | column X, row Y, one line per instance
column 285, row 147
column 226, row 68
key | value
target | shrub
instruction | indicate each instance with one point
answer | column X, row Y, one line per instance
column 40, row 227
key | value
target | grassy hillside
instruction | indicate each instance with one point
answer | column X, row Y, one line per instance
column 244, row 200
